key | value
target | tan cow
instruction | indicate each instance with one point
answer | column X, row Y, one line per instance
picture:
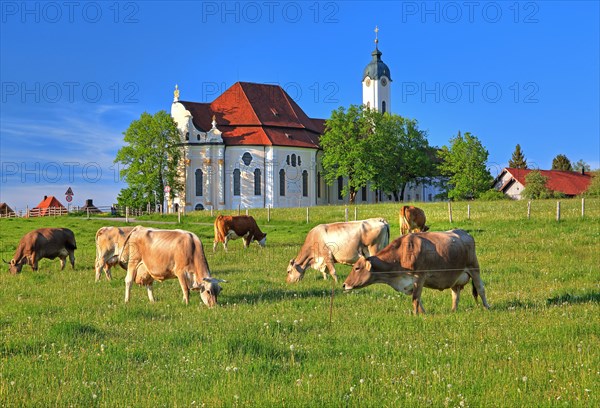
column 233, row 227
column 50, row 243
column 340, row 242
column 436, row 260
column 153, row 254
column 412, row 219
column 109, row 244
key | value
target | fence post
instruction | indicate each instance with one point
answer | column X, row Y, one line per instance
column 88, row 213
column 450, row 211
column 246, row 211
column 239, row 209
column 127, row 214
column 582, row 207
column 269, row 213
column 468, row 211
column 307, row 215
column 558, row 211
column 179, row 217
column 211, row 210
column 27, row 212
column 346, row 214
column 355, row 213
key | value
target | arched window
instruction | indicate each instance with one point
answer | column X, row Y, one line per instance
column 257, row 187
column 305, row 183
column 293, row 160
column 340, row 187
column 247, row 158
column 199, row 182
column 236, row 182
column 319, row 185
column 299, row 161
column 282, row 182
column 383, row 107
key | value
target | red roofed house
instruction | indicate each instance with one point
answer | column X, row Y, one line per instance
column 48, row 206
column 253, row 146
column 571, row 183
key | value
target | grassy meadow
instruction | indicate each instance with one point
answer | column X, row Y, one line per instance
column 66, row 340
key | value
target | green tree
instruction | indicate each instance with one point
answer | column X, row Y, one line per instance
column 535, row 185
column 561, row 162
column 149, row 160
column 581, row 166
column 464, row 162
column 518, row 160
column 347, row 147
column 594, row 188
column 401, row 154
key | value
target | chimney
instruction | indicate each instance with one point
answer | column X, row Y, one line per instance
column 45, row 197
column 582, row 171
column 89, row 203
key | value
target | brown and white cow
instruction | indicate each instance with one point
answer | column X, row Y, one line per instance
column 47, row 243
column 341, row 242
column 109, row 245
column 233, row 227
column 436, row 260
column 153, row 254
column 412, row 219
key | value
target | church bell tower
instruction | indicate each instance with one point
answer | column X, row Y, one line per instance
column 377, row 82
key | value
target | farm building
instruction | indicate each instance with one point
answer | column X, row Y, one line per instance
column 48, row 206
column 5, row 210
column 571, row 183
column 253, row 146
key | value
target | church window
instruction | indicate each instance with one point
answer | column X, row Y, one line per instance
column 199, row 182
column 340, row 182
column 368, row 105
column 293, row 160
column 363, row 193
column 430, row 197
column 383, row 107
column 247, row 158
column 257, row 186
column 187, row 136
column 319, row 185
column 236, row 182
column 299, row 161
column 282, row 182
column 305, row 183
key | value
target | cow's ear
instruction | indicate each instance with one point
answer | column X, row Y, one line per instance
column 368, row 265
column 12, row 262
column 291, row 262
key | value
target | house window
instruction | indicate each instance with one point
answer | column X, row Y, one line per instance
column 257, row 187
column 319, row 185
column 383, row 107
column 282, row 182
column 236, row 182
column 199, row 182
column 247, row 158
column 340, row 187
column 305, row 183
column 363, row 193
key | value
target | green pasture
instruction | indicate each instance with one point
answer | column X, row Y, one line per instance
column 66, row 340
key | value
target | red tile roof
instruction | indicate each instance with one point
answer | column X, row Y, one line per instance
column 49, row 202
column 568, row 182
column 258, row 114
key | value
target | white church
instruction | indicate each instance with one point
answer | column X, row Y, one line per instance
column 254, row 147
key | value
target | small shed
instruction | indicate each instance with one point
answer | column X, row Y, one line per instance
column 6, row 211
column 48, row 206
column 90, row 207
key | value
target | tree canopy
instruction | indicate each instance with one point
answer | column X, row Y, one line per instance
column 149, row 160
column 518, row 160
column 535, row 185
column 561, row 162
column 582, row 166
column 464, row 162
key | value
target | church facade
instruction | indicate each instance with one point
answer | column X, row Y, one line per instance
column 254, row 147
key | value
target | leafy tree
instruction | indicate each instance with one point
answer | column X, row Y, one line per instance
column 561, row 162
column 492, row 195
column 401, row 154
column 149, row 159
column 594, row 188
column 347, row 147
column 465, row 163
column 581, row 166
column 518, row 160
column 535, row 185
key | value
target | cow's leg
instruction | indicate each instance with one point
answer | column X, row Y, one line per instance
column 130, row 278
column 247, row 240
column 184, row 288
column 63, row 262
column 225, row 240
column 215, row 243
column 107, row 271
column 98, row 269
column 455, row 297
column 150, row 293
column 330, row 265
column 33, row 262
column 478, row 288
column 416, row 295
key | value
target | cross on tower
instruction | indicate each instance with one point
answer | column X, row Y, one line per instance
column 376, row 33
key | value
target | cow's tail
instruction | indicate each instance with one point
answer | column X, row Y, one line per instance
column 474, row 290
column 98, row 233
column 388, row 237
column 121, row 260
column 71, row 244
column 403, row 221
column 219, row 235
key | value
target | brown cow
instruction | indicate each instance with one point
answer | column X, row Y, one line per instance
column 109, row 244
column 340, row 242
column 412, row 219
column 233, row 227
column 167, row 254
column 436, row 260
column 47, row 243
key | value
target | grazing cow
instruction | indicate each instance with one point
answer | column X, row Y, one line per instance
column 233, row 227
column 109, row 244
column 412, row 219
column 340, row 242
column 47, row 243
column 436, row 260
column 153, row 254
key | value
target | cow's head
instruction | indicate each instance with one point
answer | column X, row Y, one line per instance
column 295, row 272
column 15, row 266
column 360, row 275
column 262, row 241
column 209, row 289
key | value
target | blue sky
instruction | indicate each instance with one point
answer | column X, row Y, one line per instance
column 75, row 74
